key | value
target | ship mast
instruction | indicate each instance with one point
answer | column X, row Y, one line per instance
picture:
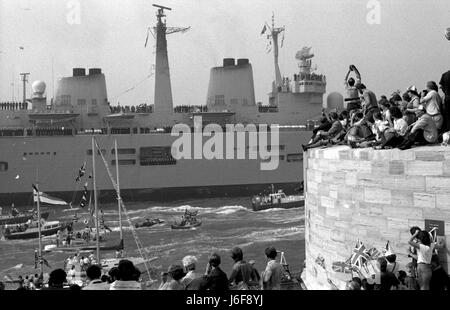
column 119, row 198
column 273, row 33
column 94, row 151
column 163, row 90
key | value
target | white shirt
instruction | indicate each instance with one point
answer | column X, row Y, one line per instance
column 424, row 253
column 125, row 285
column 96, row 285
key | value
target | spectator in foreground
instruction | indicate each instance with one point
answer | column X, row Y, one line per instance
column 56, row 280
column 215, row 279
column 243, row 276
column 93, row 274
column 271, row 277
column 192, row 279
column 176, row 273
column 126, row 275
column 425, row 250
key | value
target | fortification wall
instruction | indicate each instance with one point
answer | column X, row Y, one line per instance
column 374, row 196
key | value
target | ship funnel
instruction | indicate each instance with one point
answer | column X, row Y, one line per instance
column 94, row 71
column 242, row 62
column 231, row 87
column 79, row 72
column 227, row 62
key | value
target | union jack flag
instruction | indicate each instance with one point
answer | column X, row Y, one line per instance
column 343, row 267
column 359, row 256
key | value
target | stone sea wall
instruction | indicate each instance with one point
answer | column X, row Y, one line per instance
column 374, row 196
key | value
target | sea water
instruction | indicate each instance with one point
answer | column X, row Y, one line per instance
column 226, row 223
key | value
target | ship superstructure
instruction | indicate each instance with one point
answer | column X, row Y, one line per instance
column 52, row 137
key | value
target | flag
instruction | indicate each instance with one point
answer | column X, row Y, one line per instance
column 359, row 256
column 320, row 261
column 35, row 259
column 84, row 198
column 341, row 267
column 263, row 30
column 44, row 198
column 81, row 172
column 282, row 40
column 388, row 249
column 373, row 253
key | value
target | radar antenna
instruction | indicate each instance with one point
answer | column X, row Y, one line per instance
column 272, row 34
column 168, row 30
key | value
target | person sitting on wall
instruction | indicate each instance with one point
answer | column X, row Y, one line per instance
column 423, row 131
column 325, row 136
column 359, row 133
column 369, row 102
column 353, row 101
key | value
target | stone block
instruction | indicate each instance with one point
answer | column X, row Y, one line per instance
column 446, row 168
column 406, row 155
column 402, row 198
column 380, row 167
column 424, row 168
column 416, row 222
column 363, row 154
column 369, row 180
column 429, row 155
column 358, row 193
column 436, row 214
column 399, row 224
column 414, row 183
column 424, row 200
column 377, row 195
column 345, row 154
column 403, row 212
column 443, row 201
column 351, row 178
column 438, row 185
column 327, row 202
column 332, row 212
column 396, row 167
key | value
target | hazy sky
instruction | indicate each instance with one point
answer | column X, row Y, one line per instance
column 407, row 47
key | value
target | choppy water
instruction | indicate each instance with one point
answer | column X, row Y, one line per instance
column 226, row 222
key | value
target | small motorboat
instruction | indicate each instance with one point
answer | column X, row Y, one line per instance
column 20, row 218
column 27, row 231
column 188, row 220
column 149, row 223
column 186, row 226
column 277, row 200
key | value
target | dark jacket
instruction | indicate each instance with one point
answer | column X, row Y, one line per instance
column 216, row 280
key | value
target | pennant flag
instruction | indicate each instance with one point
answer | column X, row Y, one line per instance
column 282, row 40
column 388, row 249
column 263, row 30
column 44, row 198
column 359, row 256
column 84, row 198
column 81, row 172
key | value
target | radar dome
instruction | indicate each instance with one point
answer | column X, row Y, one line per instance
column 38, row 87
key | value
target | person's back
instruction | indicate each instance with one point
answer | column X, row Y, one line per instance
column 274, row 271
column 93, row 273
column 126, row 277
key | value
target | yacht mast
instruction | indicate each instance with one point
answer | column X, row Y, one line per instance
column 119, row 202
column 38, row 207
column 94, row 150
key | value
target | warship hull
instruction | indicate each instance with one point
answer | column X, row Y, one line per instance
column 58, row 159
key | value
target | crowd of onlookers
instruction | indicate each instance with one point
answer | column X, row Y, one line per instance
column 149, row 108
column 13, row 105
column 424, row 272
column 402, row 121
column 184, row 276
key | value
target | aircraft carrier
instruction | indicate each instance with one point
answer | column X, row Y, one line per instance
column 48, row 140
